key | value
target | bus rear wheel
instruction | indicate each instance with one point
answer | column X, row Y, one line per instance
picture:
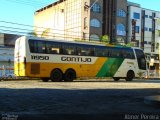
column 69, row 75
column 130, row 75
column 56, row 75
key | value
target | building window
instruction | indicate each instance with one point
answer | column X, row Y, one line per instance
column 121, row 13
column 121, row 30
column 96, row 8
column 136, row 15
column 137, row 29
column 94, row 37
column 146, row 16
column 145, row 42
column 150, row 29
column 145, row 29
column 95, row 23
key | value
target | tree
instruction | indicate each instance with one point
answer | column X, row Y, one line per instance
column 45, row 33
column 130, row 44
column 105, row 39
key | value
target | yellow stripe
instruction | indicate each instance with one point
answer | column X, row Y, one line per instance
column 82, row 70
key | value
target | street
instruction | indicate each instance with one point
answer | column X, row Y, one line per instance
column 93, row 97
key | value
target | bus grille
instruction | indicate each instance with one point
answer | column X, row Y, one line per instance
column 35, row 68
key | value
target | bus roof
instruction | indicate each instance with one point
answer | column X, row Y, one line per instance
column 78, row 42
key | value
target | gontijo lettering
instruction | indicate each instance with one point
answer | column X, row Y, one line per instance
column 76, row 59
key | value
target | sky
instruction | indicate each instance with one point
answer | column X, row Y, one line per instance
column 22, row 11
column 149, row 4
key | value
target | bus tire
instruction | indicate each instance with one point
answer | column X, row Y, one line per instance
column 56, row 75
column 116, row 78
column 130, row 75
column 69, row 75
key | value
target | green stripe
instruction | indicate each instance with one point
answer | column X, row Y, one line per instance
column 110, row 67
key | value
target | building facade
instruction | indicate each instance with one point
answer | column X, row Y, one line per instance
column 83, row 19
column 7, row 42
column 143, row 31
column 122, row 21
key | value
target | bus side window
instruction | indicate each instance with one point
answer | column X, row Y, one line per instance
column 110, row 52
column 85, row 50
column 31, row 46
column 52, row 48
column 128, row 53
column 78, row 51
column 68, row 49
column 99, row 52
column 106, row 52
column 41, row 47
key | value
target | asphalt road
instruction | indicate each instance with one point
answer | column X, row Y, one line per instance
column 87, row 99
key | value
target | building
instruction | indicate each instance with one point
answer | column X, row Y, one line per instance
column 143, row 30
column 83, row 19
column 7, row 42
column 122, row 21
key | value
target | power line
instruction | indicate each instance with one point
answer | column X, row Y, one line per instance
column 26, row 31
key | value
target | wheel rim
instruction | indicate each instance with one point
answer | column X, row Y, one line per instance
column 70, row 75
column 56, row 75
column 130, row 76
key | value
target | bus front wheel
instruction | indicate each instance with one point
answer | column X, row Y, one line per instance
column 69, row 75
column 56, row 75
column 130, row 75
column 116, row 78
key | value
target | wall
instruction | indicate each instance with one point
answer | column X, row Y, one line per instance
column 63, row 20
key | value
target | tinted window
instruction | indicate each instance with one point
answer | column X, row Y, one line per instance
column 85, row 50
column 128, row 53
column 115, row 52
column 141, row 59
column 37, row 46
column 68, row 49
column 101, row 52
column 53, row 48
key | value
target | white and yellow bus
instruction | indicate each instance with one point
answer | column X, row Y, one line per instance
column 58, row 60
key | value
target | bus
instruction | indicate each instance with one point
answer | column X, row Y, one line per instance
column 60, row 60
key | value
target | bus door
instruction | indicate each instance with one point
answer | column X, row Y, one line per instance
column 141, row 59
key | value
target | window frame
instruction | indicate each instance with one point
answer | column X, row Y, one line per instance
column 96, row 8
column 121, row 13
column 136, row 15
column 95, row 23
column 121, row 29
